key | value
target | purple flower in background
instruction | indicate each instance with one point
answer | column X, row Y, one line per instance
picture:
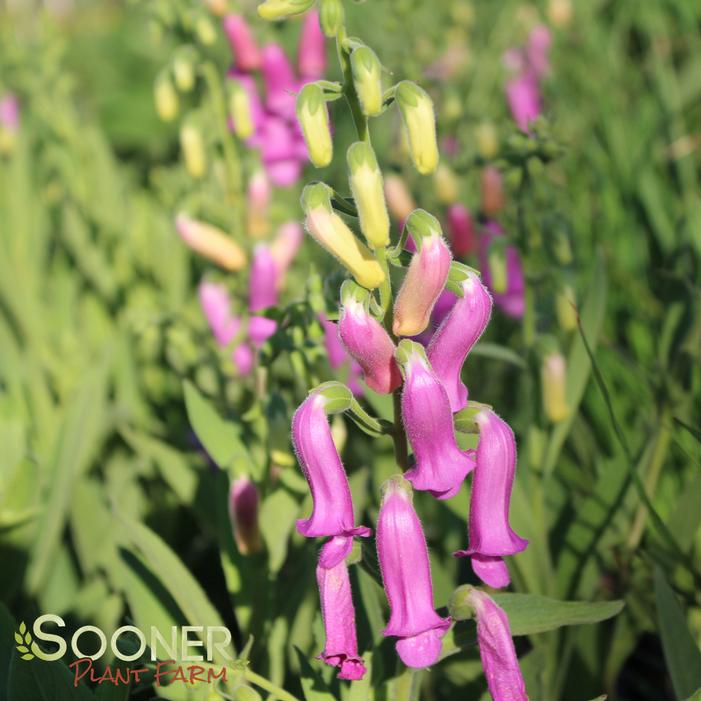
column 406, row 575
column 511, row 299
column 243, row 512
column 9, row 112
column 440, row 466
column 216, row 306
column 523, row 95
column 263, row 280
column 243, row 358
column 280, row 81
column 311, row 54
column 496, row 646
column 456, row 337
column 335, row 352
column 284, row 247
column 338, row 613
column 490, row 534
column 260, row 329
column 243, row 44
column 538, row 50
column 461, row 230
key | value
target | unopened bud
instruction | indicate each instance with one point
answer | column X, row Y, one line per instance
column 491, row 191
column 192, row 147
column 205, row 31
column 459, row 606
column 313, row 117
column 258, row 201
column 419, row 120
column 165, row 97
column 487, row 140
column 211, row 242
column 279, row 9
column 366, row 185
column 337, row 396
column 217, row 7
column 553, row 379
column 496, row 260
column 560, row 12
column 331, row 232
column 565, row 308
column 445, row 184
column 184, row 68
column 332, row 16
column 240, row 110
column 367, row 80
column 399, row 200
column 243, row 512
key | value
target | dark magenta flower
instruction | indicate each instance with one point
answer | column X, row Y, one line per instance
column 243, row 512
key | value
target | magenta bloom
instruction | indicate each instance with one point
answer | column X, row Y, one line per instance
column 260, row 329
column 538, row 50
column 461, row 229
column 216, row 306
column 335, row 351
column 243, row 358
column 243, row 44
column 9, row 112
column 523, row 95
column 369, row 344
column 243, row 512
column 456, row 337
column 332, row 514
column 406, row 574
column 284, row 247
column 311, row 54
column 280, row 81
column 442, row 308
column 499, row 660
column 440, row 466
column 262, row 283
column 490, row 534
column 341, row 648
column 512, row 301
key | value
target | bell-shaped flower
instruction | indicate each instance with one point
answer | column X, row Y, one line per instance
column 243, row 44
column 367, row 341
column 243, row 512
column 338, row 614
column 193, row 149
column 440, row 466
column 445, row 184
column 280, row 9
column 456, row 337
column 332, row 514
column 331, row 16
column 262, row 282
column 240, row 110
column 461, row 229
column 311, row 54
column 490, row 534
column 211, row 242
column 419, row 119
column 243, row 358
column 499, row 660
column 523, row 96
column 425, row 278
column 406, row 575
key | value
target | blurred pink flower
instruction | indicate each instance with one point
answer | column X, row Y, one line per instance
column 311, row 54
column 243, row 44
column 9, row 112
column 511, row 301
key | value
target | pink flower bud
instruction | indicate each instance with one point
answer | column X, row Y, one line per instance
column 457, row 335
column 523, row 96
column 399, row 200
column 311, row 55
column 280, row 82
column 406, row 575
column 538, row 50
column 491, row 191
column 262, row 282
column 243, row 512
column 258, row 202
column 210, row 242
column 9, row 112
column 260, row 329
column 335, row 352
column 284, row 247
column 440, row 466
column 243, row 44
column 369, row 344
column 332, row 514
column 216, row 306
column 243, row 359
column 461, row 229
column 490, row 534
column 499, row 660
column 338, row 613
column 512, row 301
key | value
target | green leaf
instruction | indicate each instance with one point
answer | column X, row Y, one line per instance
column 312, row 684
column 530, row 613
column 278, row 513
column 680, row 649
column 39, row 680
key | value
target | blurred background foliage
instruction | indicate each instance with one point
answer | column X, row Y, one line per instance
column 102, row 479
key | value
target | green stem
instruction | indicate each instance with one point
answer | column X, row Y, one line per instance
column 359, row 119
column 263, row 683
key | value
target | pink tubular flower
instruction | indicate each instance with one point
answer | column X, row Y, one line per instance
column 243, row 44
column 523, row 95
column 490, row 534
column 243, row 358
column 338, row 613
column 367, row 342
column 216, row 306
column 499, row 660
column 511, row 301
column 538, row 50
column 280, row 81
column 335, row 351
column 284, row 247
column 457, row 335
column 332, row 514
column 311, row 54
column 406, row 575
column 461, row 228
column 243, row 512
column 440, row 466
column 260, row 329
column 263, row 281
column 9, row 112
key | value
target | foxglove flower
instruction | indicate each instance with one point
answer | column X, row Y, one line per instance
column 280, row 81
column 406, row 575
column 313, row 117
column 367, row 80
column 523, row 96
column 456, row 337
column 284, row 247
column 243, row 512
column 440, row 466
column 462, row 231
column 499, row 661
column 311, row 55
column 425, row 278
column 338, row 613
column 367, row 342
column 211, row 242
column 243, row 44
column 332, row 514
column 335, row 352
column 263, row 280
column 243, row 358
column 490, row 534
column 260, row 329
column 216, row 306
column 511, row 299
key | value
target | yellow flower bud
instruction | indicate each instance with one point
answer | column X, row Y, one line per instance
column 211, row 243
column 205, row 31
column 419, row 120
column 487, row 140
column 184, row 69
column 217, row 7
column 565, row 308
column 166, row 98
column 279, row 9
column 366, row 186
column 446, row 185
column 560, row 12
column 193, row 150
column 367, row 80
column 331, row 232
column 331, row 17
column 240, row 110
column 314, row 120
column 553, row 379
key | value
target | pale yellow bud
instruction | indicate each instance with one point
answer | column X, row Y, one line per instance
column 445, row 184
column 166, row 98
column 553, row 379
column 399, row 199
column 211, row 243
column 240, row 110
column 560, row 12
column 487, row 140
column 193, row 150
column 416, row 108
column 565, row 308
column 314, row 120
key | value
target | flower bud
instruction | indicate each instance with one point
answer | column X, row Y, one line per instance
column 401, row 203
column 366, row 186
column 216, row 306
column 491, row 191
column 311, row 55
column 553, row 380
column 331, row 232
column 284, row 247
column 243, row 44
column 461, row 229
column 165, row 97
column 419, row 120
column 262, row 282
column 204, row 30
column 243, row 512
column 211, row 242
column 240, row 110
column 566, row 308
column 184, row 69
column 523, row 96
column 313, row 117
column 192, row 147
column 280, row 9
column 425, row 278
column 496, row 258
column 367, row 80
column 332, row 17
column 258, row 201
column 217, row 7
column 487, row 140
column 445, row 184
column 560, row 12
